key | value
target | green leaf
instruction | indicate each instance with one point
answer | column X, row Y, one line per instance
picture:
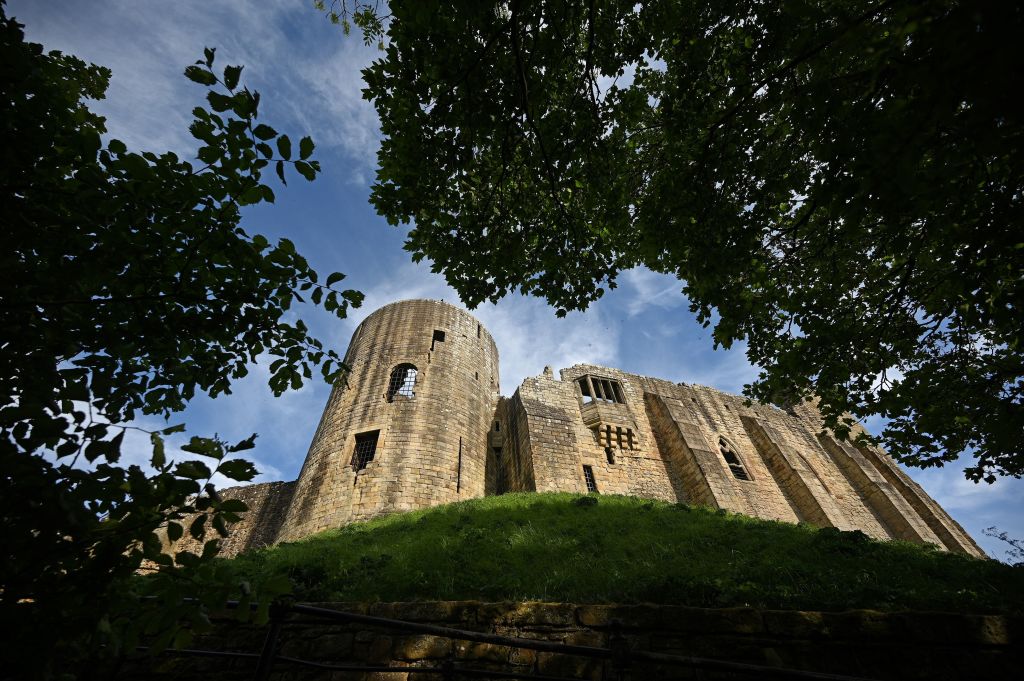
column 251, row 195
column 305, row 148
column 193, row 470
column 200, row 75
column 159, row 456
column 247, row 443
column 306, row 170
column 204, row 446
column 231, row 75
column 284, row 147
column 197, row 530
column 175, row 531
column 238, row 469
column 264, row 132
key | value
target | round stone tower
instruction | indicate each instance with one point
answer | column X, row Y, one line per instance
column 408, row 426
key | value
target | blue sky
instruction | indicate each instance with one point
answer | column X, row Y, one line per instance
column 309, row 76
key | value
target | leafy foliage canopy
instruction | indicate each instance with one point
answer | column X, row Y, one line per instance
column 127, row 285
column 838, row 184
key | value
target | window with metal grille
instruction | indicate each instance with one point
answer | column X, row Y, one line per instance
column 588, row 476
column 733, row 460
column 599, row 389
column 403, row 381
column 366, row 447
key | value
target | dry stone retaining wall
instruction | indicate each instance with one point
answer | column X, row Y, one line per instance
column 869, row 644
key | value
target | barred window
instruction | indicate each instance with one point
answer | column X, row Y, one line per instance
column 599, row 389
column 403, row 380
column 588, row 476
column 366, row 447
column 732, row 460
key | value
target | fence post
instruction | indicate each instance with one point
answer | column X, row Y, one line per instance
column 619, row 647
column 278, row 609
column 448, row 668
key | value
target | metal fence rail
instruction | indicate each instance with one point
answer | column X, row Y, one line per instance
column 618, row 655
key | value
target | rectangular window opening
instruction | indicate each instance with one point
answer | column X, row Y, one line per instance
column 438, row 337
column 366, row 447
column 588, row 476
column 593, row 389
column 497, row 426
column 585, row 389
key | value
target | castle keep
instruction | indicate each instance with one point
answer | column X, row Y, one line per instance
column 419, row 421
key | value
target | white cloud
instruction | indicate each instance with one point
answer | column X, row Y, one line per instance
column 649, row 289
column 528, row 334
column 331, row 106
column 529, row 337
column 954, row 492
column 310, row 84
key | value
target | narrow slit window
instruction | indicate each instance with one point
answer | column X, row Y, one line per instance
column 610, row 454
column 402, row 382
column 477, row 330
column 497, row 426
column 366, row 447
column 732, row 460
column 588, row 476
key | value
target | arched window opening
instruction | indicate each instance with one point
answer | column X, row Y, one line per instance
column 732, row 460
column 403, row 382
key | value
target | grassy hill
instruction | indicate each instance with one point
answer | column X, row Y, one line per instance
column 603, row 549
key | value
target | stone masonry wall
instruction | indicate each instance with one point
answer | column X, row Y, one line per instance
column 455, row 438
column 790, row 470
column 867, row 644
column 431, row 448
column 268, row 502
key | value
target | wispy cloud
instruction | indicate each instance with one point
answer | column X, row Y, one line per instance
column 646, row 289
column 310, row 83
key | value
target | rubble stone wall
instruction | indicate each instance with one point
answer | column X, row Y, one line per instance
column 861, row 643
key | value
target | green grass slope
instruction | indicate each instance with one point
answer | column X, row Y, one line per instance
column 606, row 549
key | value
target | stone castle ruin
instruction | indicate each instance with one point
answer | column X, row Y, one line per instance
column 419, row 421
